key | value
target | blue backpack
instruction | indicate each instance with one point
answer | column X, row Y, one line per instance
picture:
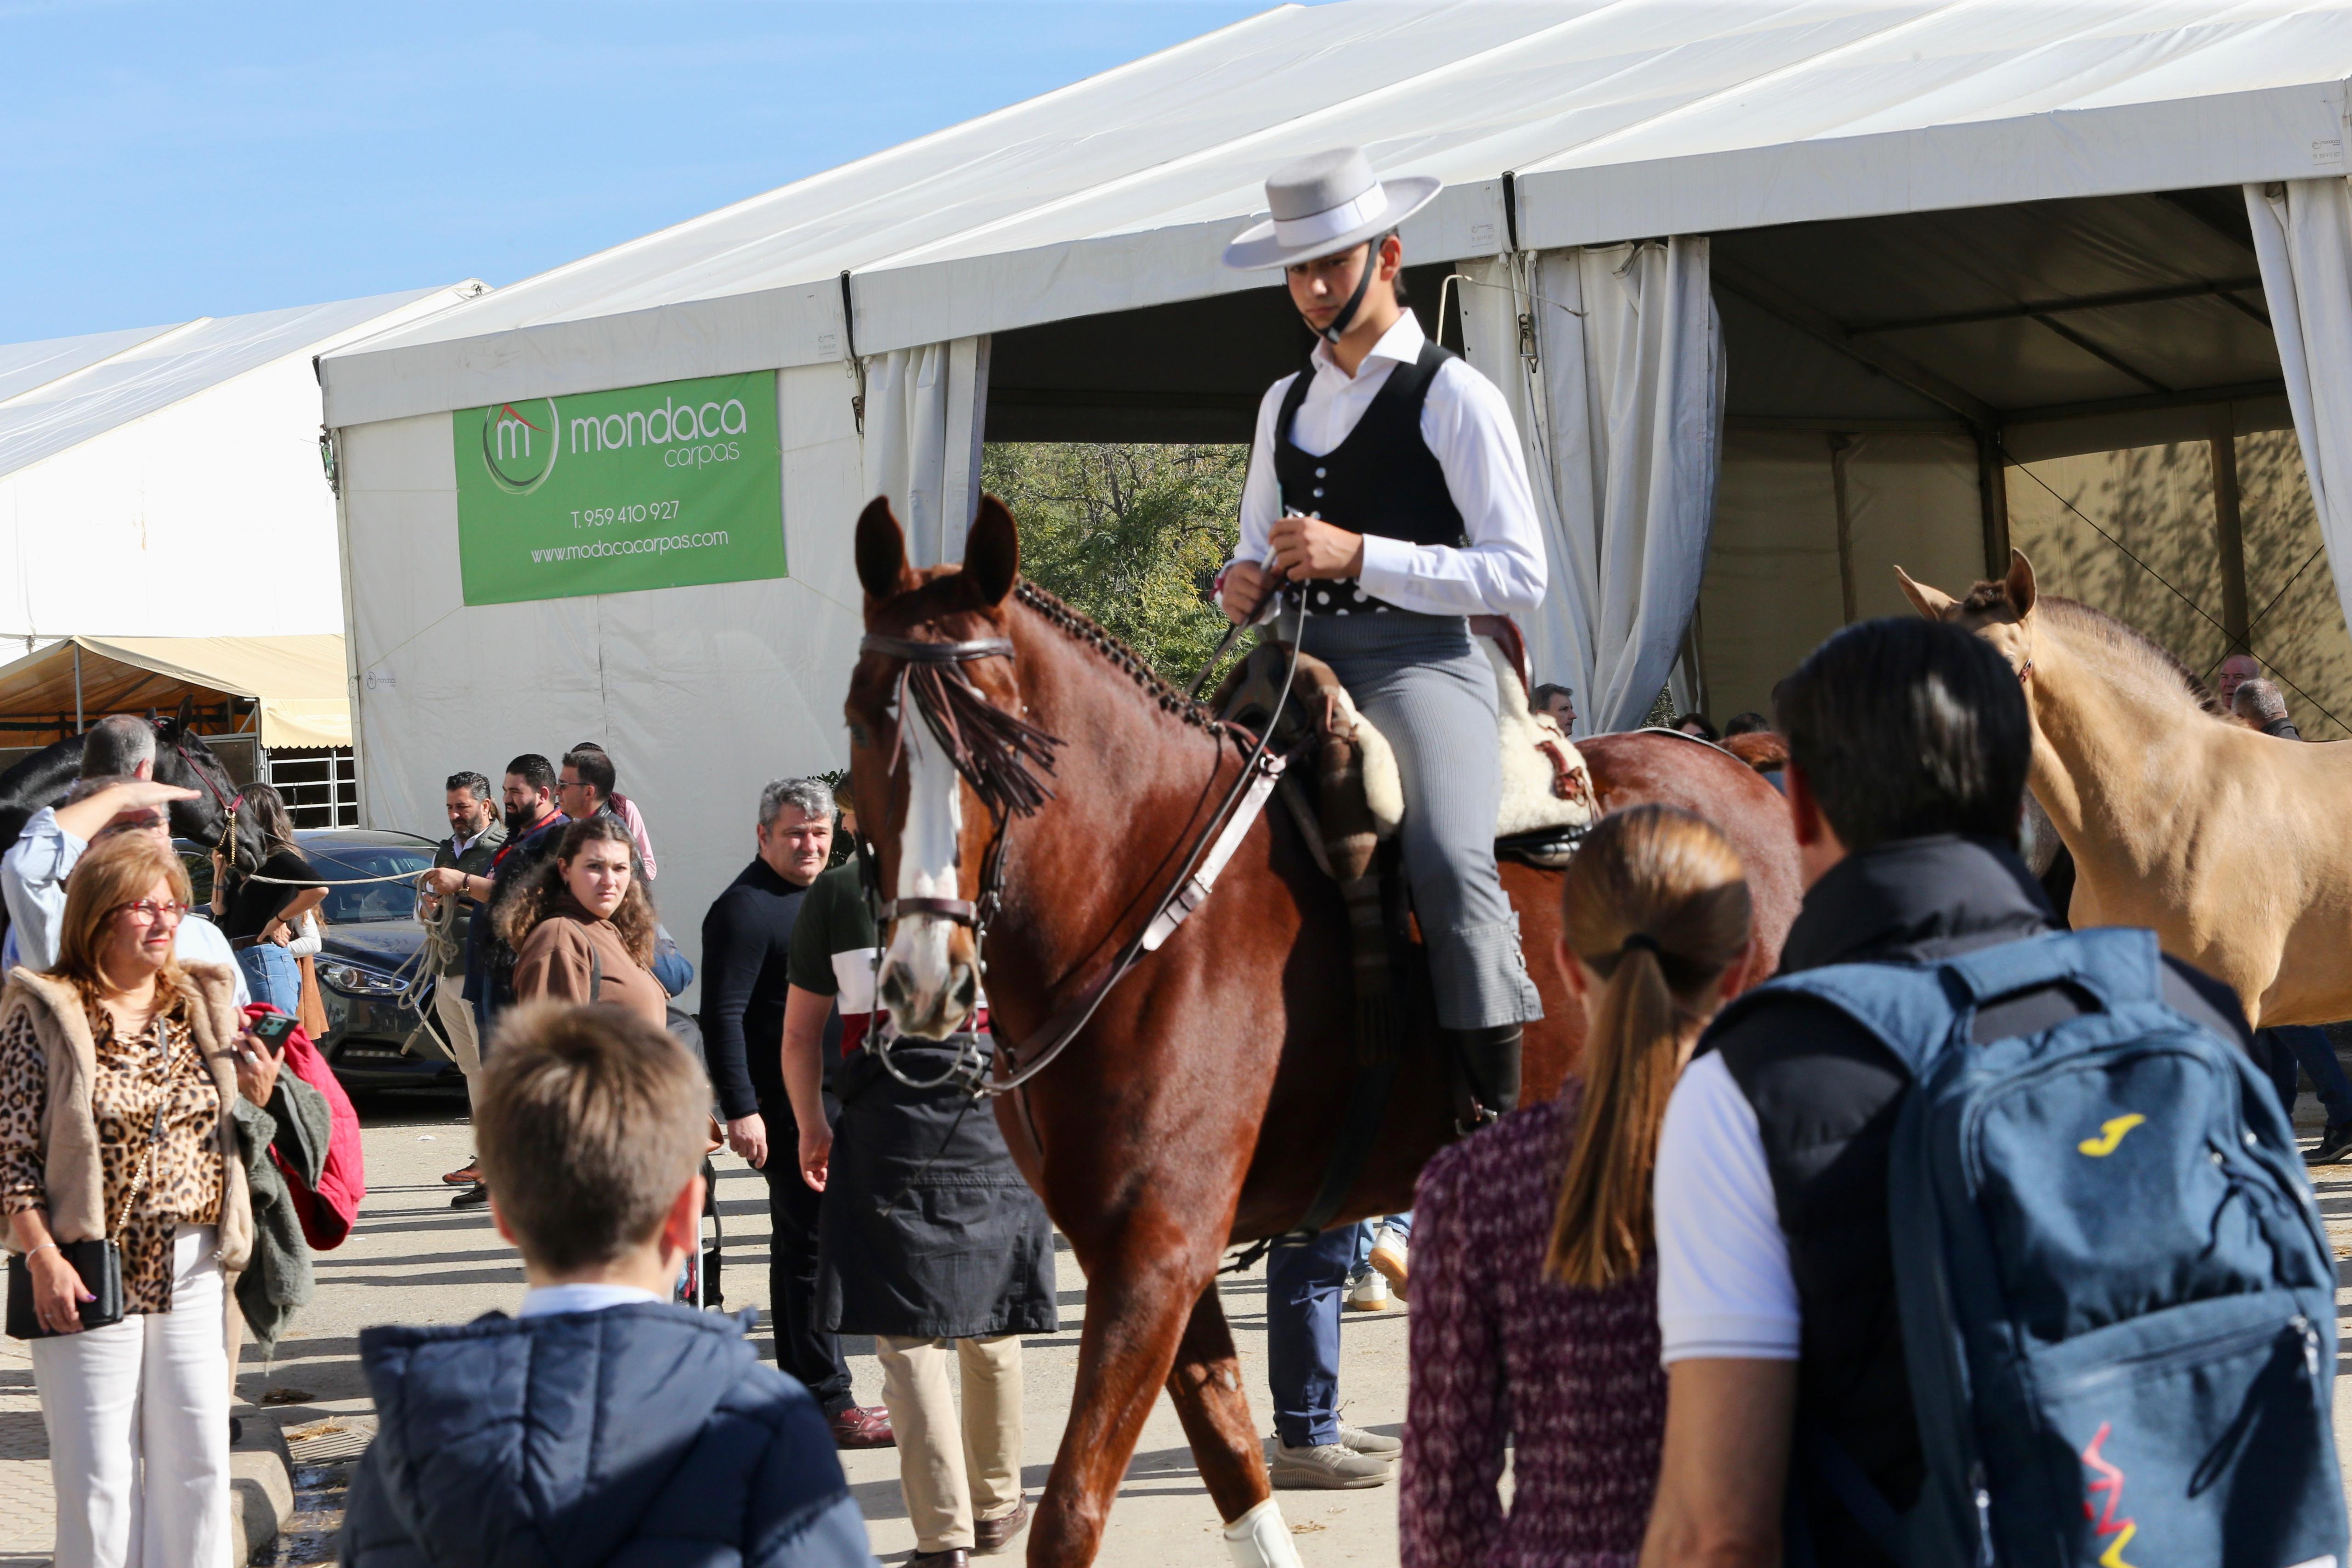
column 2117, row 1299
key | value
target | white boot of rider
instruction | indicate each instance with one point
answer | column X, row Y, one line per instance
column 1259, row 1538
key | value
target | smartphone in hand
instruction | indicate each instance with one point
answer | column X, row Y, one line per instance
column 271, row 1029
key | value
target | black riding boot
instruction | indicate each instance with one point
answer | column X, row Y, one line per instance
column 1485, row 1072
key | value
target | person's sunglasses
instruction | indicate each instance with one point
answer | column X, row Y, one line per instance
column 153, row 911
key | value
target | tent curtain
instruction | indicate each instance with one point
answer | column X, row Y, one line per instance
column 1612, row 357
column 926, row 413
column 2303, row 234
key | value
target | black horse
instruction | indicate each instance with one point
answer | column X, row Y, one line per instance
column 181, row 758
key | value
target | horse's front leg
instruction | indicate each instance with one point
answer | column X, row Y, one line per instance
column 1206, row 1386
column 1141, row 1283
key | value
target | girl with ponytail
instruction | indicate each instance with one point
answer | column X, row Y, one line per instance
column 1535, row 1284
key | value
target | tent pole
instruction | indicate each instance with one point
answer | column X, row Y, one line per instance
column 1840, row 444
column 1993, row 498
column 2228, row 532
column 77, row 724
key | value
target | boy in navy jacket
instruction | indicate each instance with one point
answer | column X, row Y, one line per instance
column 603, row 1424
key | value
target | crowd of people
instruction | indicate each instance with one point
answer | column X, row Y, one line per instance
column 1660, row 1297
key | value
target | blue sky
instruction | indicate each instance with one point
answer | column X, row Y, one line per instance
column 161, row 162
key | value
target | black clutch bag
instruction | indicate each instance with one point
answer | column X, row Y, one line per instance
column 100, row 1264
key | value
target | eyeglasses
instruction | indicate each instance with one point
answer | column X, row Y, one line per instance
column 150, row 912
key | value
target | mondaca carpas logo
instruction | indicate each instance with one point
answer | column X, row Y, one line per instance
column 520, row 442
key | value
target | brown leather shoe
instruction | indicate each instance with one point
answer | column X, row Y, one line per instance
column 995, row 1534
column 468, row 1175
column 862, row 1426
column 953, row 1557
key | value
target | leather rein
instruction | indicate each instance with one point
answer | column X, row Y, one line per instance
column 1195, row 874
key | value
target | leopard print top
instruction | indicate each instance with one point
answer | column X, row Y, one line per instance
column 160, row 1067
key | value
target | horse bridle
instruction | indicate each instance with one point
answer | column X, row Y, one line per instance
column 1072, row 1016
column 229, row 807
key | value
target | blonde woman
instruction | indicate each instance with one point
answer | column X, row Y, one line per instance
column 119, row 1071
column 1535, row 1290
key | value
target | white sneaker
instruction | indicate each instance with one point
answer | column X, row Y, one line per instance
column 1332, row 1467
column 1367, row 1293
column 1389, row 1259
column 1371, row 1445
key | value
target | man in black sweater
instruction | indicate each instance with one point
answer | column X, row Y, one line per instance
column 746, row 941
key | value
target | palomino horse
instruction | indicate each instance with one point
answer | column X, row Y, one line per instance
column 1198, row 1105
column 2230, row 844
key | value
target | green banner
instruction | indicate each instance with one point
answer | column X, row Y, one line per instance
column 611, row 492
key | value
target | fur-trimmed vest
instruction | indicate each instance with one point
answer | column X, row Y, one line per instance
column 71, row 1173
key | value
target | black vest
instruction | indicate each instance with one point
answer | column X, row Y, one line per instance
column 1383, row 479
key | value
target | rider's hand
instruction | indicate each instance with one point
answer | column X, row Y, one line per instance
column 1308, row 547
column 816, row 1155
column 747, row 1137
column 1244, row 591
column 445, row 880
column 57, row 1292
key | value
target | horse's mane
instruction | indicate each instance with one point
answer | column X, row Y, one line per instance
column 1989, row 598
column 1083, row 628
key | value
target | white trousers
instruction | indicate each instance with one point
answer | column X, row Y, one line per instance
column 137, row 1414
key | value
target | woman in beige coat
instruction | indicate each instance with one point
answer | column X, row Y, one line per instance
column 583, row 926
column 118, row 1076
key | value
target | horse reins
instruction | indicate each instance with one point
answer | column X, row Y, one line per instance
column 1255, row 779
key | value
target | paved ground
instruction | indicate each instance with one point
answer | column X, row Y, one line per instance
column 414, row 1261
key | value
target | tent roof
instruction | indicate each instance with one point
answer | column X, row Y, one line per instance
column 299, row 681
column 59, row 394
column 1617, row 119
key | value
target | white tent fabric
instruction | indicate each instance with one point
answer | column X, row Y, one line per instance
column 926, row 410
column 140, row 471
column 2302, row 233
column 1620, row 119
column 1616, row 380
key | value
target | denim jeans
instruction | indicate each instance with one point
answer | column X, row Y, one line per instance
column 1303, row 1286
column 2306, row 1046
column 273, row 977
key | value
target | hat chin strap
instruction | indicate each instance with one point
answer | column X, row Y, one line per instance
column 1339, row 323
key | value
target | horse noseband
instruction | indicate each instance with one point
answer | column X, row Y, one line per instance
column 963, row 911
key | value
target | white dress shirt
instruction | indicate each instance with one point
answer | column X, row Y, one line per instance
column 1468, row 427
column 33, row 881
column 540, row 1300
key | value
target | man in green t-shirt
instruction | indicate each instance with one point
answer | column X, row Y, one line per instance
column 928, row 1238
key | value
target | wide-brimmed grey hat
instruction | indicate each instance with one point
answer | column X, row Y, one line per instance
column 1326, row 204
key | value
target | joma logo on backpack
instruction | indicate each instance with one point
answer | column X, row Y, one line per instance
column 2111, row 1133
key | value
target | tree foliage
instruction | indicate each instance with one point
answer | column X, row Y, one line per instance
column 1133, row 534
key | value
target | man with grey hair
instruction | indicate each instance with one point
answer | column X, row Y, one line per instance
column 746, row 943
column 2258, row 705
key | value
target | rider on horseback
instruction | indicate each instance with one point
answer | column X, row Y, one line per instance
column 1387, row 490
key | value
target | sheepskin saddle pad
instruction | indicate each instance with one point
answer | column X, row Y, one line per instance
column 1358, row 796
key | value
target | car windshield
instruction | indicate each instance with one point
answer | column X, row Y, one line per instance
column 368, row 901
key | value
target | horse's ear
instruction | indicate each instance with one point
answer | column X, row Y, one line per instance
column 2020, row 582
column 882, row 551
column 992, row 552
column 187, row 711
column 1932, row 602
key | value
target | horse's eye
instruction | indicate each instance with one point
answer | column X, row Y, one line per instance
column 856, row 735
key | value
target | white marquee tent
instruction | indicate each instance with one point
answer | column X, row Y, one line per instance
column 1776, row 289
column 150, row 479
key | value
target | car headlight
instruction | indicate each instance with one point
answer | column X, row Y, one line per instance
column 355, row 981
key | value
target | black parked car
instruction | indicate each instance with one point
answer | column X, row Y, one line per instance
column 372, row 939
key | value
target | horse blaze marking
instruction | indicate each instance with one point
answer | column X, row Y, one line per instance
column 2111, row 1133
column 2110, row 1481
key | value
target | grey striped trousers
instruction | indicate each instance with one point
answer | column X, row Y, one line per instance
column 1432, row 692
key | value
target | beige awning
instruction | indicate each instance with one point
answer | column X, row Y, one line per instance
column 297, row 684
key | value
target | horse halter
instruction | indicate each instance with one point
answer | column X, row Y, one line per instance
column 229, row 807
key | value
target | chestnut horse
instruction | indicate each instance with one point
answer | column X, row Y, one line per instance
column 2229, row 845
column 1200, row 1103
